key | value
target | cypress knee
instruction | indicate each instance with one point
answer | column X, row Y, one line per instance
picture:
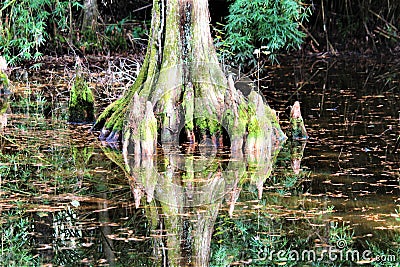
column 81, row 100
column 298, row 130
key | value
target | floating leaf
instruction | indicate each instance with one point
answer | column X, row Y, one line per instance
column 42, row 214
column 75, row 203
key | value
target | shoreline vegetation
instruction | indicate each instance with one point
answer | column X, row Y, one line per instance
column 322, row 29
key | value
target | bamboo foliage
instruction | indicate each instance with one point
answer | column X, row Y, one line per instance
column 25, row 26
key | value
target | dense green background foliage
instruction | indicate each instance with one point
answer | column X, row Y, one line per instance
column 30, row 28
column 25, row 26
column 270, row 25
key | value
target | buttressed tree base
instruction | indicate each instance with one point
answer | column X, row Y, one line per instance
column 181, row 87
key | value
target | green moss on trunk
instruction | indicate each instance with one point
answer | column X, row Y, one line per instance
column 188, row 105
column 185, row 84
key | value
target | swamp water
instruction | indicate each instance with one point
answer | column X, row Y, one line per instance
column 66, row 200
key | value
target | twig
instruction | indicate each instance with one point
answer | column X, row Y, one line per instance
column 309, row 34
column 141, row 8
column 384, row 20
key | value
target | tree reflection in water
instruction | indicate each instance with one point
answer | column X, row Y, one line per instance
column 182, row 193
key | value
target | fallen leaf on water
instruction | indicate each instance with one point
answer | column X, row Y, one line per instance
column 42, row 214
column 75, row 203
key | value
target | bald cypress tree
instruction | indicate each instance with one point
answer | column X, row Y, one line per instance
column 181, row 88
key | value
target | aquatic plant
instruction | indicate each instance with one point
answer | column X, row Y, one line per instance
column 340, row 234
column 29, row 102
column 16, row 241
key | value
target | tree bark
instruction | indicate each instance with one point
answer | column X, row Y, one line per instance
column 188, row 90
column 90, row 15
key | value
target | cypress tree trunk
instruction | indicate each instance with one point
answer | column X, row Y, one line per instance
column 90, row 15
column 184, row 84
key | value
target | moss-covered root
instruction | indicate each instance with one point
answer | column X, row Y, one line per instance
column 260, row 129
column 278, row 135
column 140, row 132
column 298, row 130
column 81, row 101
column 131, row 136
column 236, row 116
column 148, row 131
column 112, row 119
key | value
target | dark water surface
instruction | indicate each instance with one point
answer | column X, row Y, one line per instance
column 66, row 200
